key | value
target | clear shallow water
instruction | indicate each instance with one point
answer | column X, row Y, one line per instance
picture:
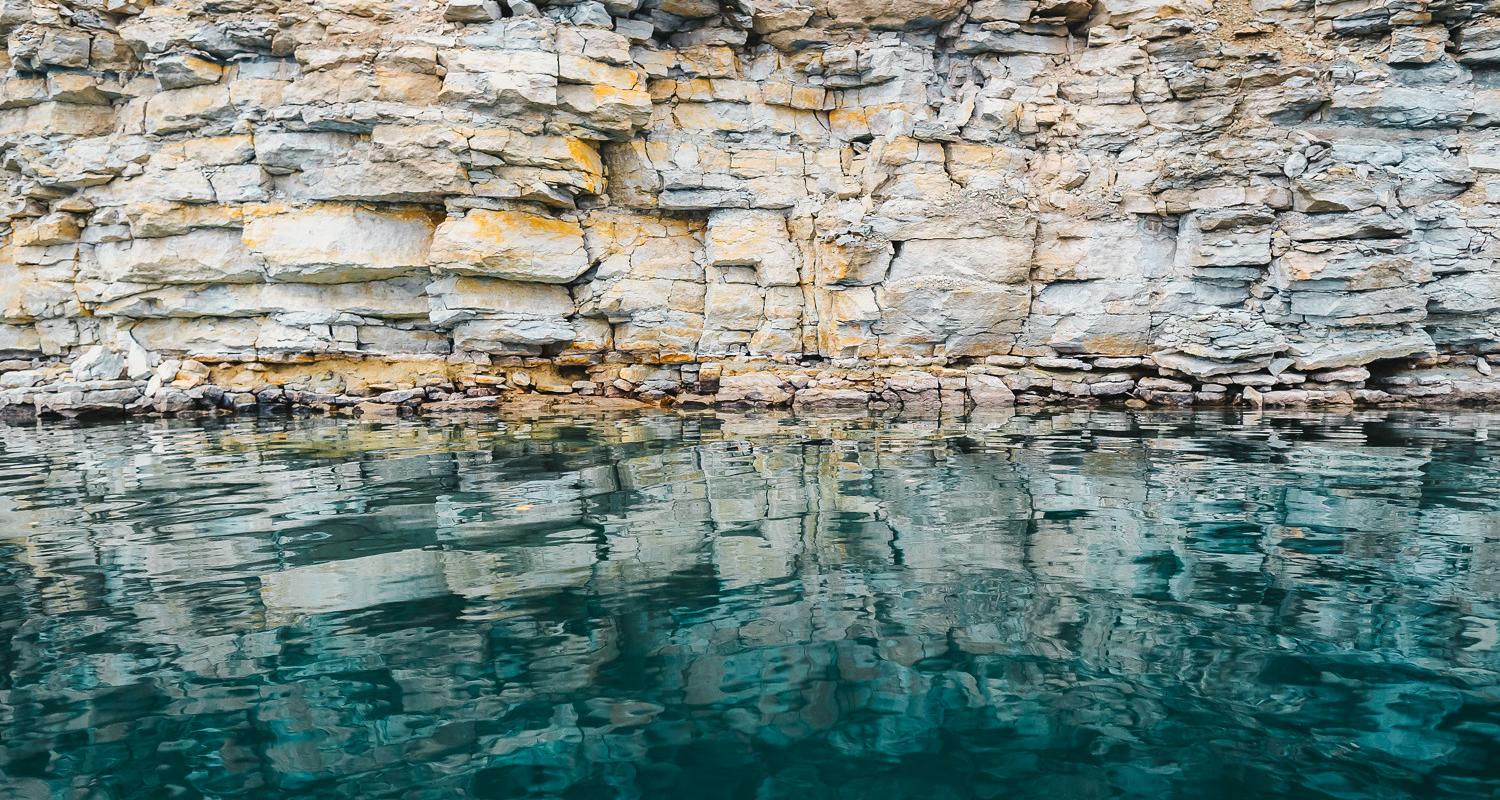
column 1066, row 605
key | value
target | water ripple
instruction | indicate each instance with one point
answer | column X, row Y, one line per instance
column 1063, row 604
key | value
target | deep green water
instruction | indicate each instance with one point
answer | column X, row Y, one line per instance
column 1068, row 605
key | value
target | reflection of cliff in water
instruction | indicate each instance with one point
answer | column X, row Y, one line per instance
column 1075, row 605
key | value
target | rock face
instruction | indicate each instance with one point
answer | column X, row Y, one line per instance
column 1067, row 196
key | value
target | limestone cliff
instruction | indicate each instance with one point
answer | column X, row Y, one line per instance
column 841, row 201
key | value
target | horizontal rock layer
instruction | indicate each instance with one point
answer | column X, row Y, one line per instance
column 1185, row 201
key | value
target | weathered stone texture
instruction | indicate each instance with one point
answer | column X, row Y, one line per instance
column 1215, row 193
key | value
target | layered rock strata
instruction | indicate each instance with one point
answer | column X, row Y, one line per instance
column 815, row 202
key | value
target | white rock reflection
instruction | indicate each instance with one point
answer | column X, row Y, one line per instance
column 353, row 583
column 1066, row 604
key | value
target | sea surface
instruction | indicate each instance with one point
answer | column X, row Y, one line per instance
column 1054, row 605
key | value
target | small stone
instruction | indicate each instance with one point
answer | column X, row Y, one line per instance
column 172, row 401
column 368, row 409
column 1345, row 375
column 21, row 379
column 400, row 396
column 1045, row 362
column 988, row 391
column 182, row 70
column 1371, row 396
column 550, row 384
column 1166, row 398
column 1296, row 164
column 1165, row 385
column 1280, row 365
column 137, row 361
column 1111, row 388
column 759, row 388
column 1415, row 46
column 98, row 364
column 461, row 405
column 1285, row 397
column 830, row 398
column 634, row 29
column 471, row 11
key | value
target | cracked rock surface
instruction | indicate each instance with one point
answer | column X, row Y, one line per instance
column 815, row 202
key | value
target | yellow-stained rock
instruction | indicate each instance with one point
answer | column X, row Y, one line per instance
column 515, row 245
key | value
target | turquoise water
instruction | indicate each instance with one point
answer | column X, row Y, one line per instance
column 1061, row 605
